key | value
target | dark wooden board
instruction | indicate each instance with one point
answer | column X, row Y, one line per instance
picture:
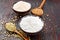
column 51, row 17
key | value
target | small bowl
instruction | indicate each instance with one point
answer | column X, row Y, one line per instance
column 21, row 7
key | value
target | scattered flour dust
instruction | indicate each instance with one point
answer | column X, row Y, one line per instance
column 31, row 24
column 1, row 27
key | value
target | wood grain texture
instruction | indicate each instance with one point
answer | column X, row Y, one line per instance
column 51, row 17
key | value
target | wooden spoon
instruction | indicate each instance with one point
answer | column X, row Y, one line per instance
column 39, row 11
column 11, row 27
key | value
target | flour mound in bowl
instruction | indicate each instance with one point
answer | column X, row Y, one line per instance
column 21, row 6
column 31, row 24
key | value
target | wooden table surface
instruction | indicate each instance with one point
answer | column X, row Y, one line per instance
column 51, row 17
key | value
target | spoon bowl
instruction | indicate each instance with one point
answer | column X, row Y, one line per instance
column 37, row 11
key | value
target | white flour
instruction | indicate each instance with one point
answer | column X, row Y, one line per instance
column 22, row 6
column 31, row 24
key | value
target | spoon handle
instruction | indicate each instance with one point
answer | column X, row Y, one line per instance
column 42, row 4
column 21, row 35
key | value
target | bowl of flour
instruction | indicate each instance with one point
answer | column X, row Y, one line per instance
column 31, row 24
column 22, row 6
